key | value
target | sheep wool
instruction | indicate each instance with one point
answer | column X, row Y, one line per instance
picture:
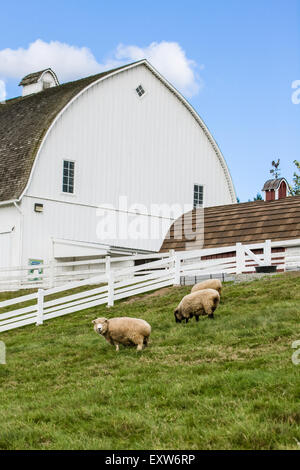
column 203, row 302
column 124, row 330
column 215, row 284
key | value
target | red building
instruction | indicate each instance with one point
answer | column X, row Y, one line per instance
column 275, row 189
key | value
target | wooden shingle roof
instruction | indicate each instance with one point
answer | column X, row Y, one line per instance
column 24, row 122
column 250, row 222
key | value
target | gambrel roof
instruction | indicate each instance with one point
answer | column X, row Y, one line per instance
column 25, row 121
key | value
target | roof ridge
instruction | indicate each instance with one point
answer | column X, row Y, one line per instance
column 89, row 78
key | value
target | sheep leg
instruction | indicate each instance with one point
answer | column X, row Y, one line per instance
column 197, row 317
column 210, row 312
column 139, row 347
column 117, row 347
column 186, row 320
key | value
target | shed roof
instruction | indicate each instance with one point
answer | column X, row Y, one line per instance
column 250, row 222
column 24, row 122
column 273, row 184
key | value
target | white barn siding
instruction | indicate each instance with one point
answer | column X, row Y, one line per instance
column 57, row 221
column 292, row 257
column 10, row 236
column 69, row 222
column 150, row 149
column 5, row 248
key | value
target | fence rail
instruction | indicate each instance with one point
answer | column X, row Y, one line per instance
column 56, row 274
column 157, row 271
column 59, row 273
column 112, row 286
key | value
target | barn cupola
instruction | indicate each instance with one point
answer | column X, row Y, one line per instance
column 275, row 189
column 38, row 81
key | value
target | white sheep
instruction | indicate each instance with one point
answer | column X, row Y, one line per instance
column 215, row 284
column 203, row 302
column 124, row 330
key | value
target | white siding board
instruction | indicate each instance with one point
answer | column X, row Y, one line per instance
column 10, row 236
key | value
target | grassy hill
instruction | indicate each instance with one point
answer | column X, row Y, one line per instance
column 227, row 383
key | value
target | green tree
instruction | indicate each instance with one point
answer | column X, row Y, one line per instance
column 295, row 189
column 258, row 197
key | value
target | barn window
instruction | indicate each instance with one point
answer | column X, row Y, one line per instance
column 140, row 90
column 198, row 196
column 68, row 176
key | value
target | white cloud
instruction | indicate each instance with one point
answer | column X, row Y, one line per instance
column 2, row 91
column 170, row 60
column 72, row 62
column 68, row 61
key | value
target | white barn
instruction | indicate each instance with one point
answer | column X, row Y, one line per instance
column 68, row 150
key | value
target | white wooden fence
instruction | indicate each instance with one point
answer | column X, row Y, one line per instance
column 241, row 260
column 38, row 307
column 158, row 270
column 59, row 273
column 56, row 274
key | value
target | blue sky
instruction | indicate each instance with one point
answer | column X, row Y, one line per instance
column 236, row 63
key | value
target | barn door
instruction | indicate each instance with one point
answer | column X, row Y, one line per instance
column 282, row 190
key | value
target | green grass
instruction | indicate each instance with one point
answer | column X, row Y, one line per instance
column 227, row 383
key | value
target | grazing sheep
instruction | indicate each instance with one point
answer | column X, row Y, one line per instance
column 203, row 302
column 124, row 330
column 215, row 284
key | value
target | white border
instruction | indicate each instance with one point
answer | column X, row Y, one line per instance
column 204, row 192
column 143, row 95
column 75, row 178
column 53, row 75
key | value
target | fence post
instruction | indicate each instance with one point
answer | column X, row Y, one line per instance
column 240, row 258
column 51, row 274
column 110, row 291
column 107, row 266
column 171, row 255
column 40, row 307
column 177, row 270
column 267, row 252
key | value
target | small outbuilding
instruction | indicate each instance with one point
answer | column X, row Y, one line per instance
column 38, row 81
column 275, row 189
